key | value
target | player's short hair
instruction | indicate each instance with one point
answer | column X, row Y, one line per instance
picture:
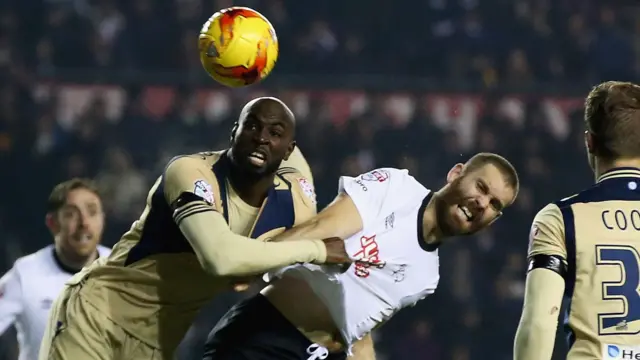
column 58, row 196
column 504, row 166
column 612, row 116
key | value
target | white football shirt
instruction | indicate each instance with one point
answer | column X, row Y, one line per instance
column 27, row 292
column 391, row 204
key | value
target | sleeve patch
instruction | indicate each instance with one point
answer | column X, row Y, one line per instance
column 307, row 189
column 376, row 175
column 204, row 190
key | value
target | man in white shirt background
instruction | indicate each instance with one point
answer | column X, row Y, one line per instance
column 75, row 218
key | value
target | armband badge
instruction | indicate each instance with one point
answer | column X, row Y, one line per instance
column 203, row 190
column 307, row 189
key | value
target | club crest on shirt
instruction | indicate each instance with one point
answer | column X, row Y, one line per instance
column 376, row 175
column 203, row 189
column 307, row 189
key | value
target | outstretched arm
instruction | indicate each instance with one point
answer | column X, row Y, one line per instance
column 220, row 251
column 359, row 204
column 340, row 219
column 536, row 332
column 545, row 285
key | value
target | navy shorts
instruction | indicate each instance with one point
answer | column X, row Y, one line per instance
column 255, row 330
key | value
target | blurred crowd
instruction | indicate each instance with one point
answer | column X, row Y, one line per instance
column 124, row 138
column 514, row 42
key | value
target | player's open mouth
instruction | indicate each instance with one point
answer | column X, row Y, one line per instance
column 83, row 238
column 465, row 212
column 257, row 158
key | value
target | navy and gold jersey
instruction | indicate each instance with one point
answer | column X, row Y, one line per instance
column 597, row 234
column 153, row 285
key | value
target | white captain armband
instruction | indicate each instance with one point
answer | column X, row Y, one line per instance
column 188, row 204
column 554, row 263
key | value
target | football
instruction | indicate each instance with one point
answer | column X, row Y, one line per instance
column 238, row 46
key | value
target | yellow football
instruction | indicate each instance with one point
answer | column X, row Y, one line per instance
column 238, row 46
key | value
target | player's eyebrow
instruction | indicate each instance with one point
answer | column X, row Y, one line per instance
column 279, row 123
column 92, row 205
column 495, row 202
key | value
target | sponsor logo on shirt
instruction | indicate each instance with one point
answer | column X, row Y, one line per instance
column 362, row 185
column 203, row 189
column 376, row 175
column 389, row 221
column 620, row 352
column 367, row 256
column 307, row 189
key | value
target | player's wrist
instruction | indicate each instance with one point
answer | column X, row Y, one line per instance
column 321, row 251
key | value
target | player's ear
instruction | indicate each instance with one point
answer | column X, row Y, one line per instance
column 290, row 148
column 455, row 172
column 52, row 223
column 589, row 142
column 234, row 130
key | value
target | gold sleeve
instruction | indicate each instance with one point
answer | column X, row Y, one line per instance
column 535, row 336
column 224, row 253
column 536, row 332
column 547, row 233
column 297, row 161
column 189, row 176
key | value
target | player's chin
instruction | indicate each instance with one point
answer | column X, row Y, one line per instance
column 84, row 249
column 459, row 223
column 252, row 167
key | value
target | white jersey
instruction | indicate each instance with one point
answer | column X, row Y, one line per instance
column 27, row 292
column 391, row 204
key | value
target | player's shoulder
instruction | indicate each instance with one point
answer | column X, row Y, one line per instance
column 555, row 208
column 549, row 209
column 598, row 192
column 549, row 216
column 398, row 179
column 298, row 183
column 289, row 173
column 34, row 260
column 193, row 161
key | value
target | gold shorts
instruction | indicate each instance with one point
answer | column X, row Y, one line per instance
column 78, row 330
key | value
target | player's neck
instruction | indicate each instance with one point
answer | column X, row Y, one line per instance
column 252, row 190
column 73, row 263
column 602, row 166
column 430, row 232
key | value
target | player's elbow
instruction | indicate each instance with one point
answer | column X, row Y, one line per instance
column 221, row 264
column 218, row 266
column 534, row 339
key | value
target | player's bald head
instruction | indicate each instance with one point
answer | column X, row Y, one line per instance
column 264, row 135
column 269, row 107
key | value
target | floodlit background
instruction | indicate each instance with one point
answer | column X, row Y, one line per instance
column 112, row 89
